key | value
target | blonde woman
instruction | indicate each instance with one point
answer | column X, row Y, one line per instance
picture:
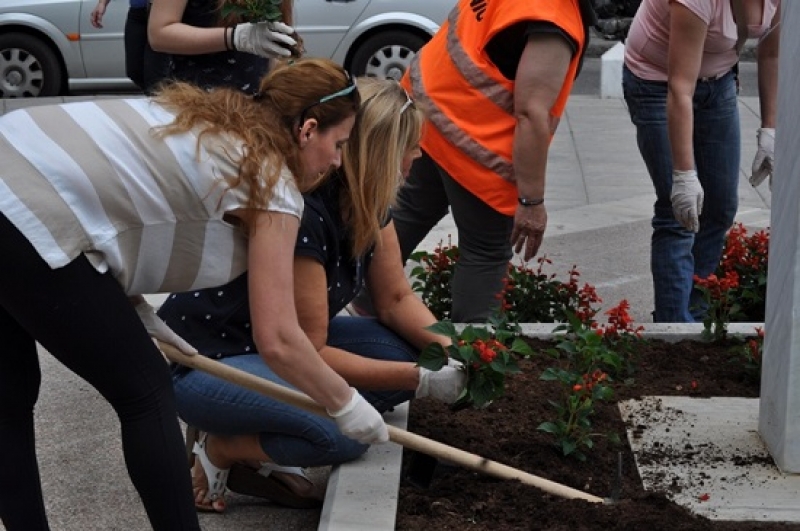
column 103, row 201
column 346, row 239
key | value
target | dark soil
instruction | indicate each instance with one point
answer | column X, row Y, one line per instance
column 459, row 499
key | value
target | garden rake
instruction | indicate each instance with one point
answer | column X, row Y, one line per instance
column 402, row 437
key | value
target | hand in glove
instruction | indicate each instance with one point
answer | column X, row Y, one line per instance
column 687, row 199
column 446, row 384
column 267, row 39
column 158, row 329
column 360, row 421
column 764, row 163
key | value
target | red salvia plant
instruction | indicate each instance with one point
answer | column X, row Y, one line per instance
column 747, row 255
column 718, row 294
column 750, row 354
column 528, row 295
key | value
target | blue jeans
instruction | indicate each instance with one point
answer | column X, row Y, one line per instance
column 289, row 435
column 676, row 253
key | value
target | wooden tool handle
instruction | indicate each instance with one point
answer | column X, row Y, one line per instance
column 397, row 435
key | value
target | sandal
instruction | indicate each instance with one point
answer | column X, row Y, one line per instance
column 262, row 484
column 216, row 478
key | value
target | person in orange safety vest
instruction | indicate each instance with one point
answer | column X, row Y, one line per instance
column 493, row 82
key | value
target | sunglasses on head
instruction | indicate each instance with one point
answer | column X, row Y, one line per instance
column 346, row 91
column 408, row 102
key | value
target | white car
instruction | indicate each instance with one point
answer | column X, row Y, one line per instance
column 48, row 47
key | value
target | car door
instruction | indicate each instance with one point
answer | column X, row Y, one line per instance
column 324, row 23
column 103, row 49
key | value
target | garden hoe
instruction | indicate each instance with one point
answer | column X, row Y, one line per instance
column 405, row 438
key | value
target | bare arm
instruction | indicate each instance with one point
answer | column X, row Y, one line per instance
column 279, row 338
column 96, row 16
column 540, row 77
column 768, row 50
column 168, row 34
column 687, row 34
column 311, row 294
column 396, row 304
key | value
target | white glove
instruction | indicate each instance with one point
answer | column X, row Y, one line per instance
column 158, row 329
column 687, row 199
column 764, row 163
column 360, row 421
column 267, row 39
column 446, row 384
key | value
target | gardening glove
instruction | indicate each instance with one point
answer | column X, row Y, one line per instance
column 764, row 163
column 446, row 384
column 360, row 421
column 266, row 39
column 687, row 199
column 159, row 330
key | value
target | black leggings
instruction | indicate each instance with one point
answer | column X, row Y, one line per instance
column 85, row 320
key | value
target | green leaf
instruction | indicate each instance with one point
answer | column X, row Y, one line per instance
column 568, row 446
column 549, row 427
column 433, row 357
column 521, row 347
column 444, row 328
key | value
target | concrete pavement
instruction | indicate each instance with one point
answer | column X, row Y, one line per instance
column 599, row 201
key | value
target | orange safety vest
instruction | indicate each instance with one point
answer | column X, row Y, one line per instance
column 469, row 104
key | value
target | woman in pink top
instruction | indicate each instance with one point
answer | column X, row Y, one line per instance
column 680, row 85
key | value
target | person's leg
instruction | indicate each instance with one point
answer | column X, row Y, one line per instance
column 367, row 337
column 484, row 251
column 717, row 148
column 421, row 203
column 289, row 436
column 86, row 321
column 21, row 502
column 671, row 261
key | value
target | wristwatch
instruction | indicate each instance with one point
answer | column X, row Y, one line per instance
column 530, row 202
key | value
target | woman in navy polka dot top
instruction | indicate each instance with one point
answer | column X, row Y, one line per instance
column 346, row 240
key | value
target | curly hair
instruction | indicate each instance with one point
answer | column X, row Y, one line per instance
column 265, row 125
column 387, row 126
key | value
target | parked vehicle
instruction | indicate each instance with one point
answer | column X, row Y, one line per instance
column 48, row 47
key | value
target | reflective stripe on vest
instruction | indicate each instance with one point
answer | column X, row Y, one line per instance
column 497, row 94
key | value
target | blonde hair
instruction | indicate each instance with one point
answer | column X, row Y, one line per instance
column 267, row 124
column 386, row 129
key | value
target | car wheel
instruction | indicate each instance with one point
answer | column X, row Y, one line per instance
column 28, row 67
column 386, row 55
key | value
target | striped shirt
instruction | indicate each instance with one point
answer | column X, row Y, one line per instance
column 91, row 178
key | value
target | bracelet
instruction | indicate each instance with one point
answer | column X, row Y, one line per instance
column 530, row 202
column 232, row 46
column 225, row 39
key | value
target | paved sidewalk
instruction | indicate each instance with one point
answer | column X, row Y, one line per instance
column 599, row 202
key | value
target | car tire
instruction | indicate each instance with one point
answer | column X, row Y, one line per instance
column 386, row 54
column 28, row 67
